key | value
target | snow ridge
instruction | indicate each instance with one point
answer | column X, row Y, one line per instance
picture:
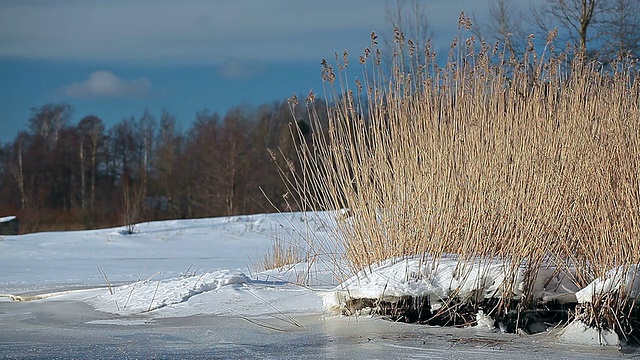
column 146, row 296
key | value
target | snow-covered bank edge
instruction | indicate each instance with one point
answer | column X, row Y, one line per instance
column 427, row 290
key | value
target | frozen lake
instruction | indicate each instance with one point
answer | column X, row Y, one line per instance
column 68, row 329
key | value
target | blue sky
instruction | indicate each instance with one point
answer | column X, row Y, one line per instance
column 114, row 59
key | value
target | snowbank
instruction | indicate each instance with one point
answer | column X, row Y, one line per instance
column 399, row 289
column 555, row 284
column 626, row 278
column 580, row 334
column 54, row 261
column 447, row 278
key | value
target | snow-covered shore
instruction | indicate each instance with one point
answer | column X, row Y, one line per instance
column 206, row 267
column 169, row 268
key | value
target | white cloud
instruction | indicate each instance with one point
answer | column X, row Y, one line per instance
column 239, row 69
column 104, row 84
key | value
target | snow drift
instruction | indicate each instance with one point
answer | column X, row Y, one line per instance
column 149, row 295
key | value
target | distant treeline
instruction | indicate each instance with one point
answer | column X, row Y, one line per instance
column 59, row 176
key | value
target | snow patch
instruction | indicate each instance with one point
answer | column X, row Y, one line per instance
column 580, row 334
column 555, row 284
column 484, row 321
column 625, row 278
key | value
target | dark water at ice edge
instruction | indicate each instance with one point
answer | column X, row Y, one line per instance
column 71, row 330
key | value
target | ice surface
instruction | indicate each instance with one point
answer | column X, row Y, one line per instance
column 71, row 330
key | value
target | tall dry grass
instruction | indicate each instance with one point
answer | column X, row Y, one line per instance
column 534, row 159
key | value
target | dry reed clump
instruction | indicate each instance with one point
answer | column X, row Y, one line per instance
column 282, row 254
column 533, row 160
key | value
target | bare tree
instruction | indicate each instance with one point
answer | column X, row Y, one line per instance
column 91, row 132
column 168, row 151
column 576, row 18
column 122, row 149
column 234, row 148
column 412, row 22
column 203, row 161
column 145, row 132
column 620, row 29
column 47, row 121
column 603, row 29
column 504, row 24
column 132, row 198
column 17, row 168
column 61, row 169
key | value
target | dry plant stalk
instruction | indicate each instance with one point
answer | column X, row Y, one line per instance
column 533, row 160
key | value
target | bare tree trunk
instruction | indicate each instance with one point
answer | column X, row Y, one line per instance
column 231, row 183
column 147, row 128
column 94, row 153
column 19, row 176
column 82, row 176
column 588, row 7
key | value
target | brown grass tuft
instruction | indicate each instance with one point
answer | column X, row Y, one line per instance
column 281, row 255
